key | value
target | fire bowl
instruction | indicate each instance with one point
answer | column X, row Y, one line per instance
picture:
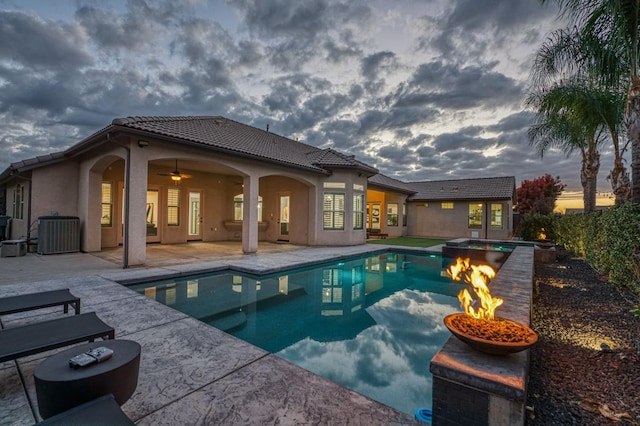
column 499, row 336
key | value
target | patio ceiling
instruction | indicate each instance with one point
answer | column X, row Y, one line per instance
column 189, row 166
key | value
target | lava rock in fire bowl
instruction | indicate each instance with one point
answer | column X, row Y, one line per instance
column 498, row 336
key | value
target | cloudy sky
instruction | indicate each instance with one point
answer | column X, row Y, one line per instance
column 422, row 90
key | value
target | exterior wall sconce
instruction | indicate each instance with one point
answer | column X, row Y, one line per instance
column 142, row 144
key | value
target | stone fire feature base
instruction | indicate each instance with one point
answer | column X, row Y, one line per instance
column 472, row 388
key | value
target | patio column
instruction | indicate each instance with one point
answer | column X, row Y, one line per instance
column 250, row 215
column 135, row 239
column 89, row 193
column 314, row 217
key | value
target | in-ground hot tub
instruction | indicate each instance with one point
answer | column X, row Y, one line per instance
column 492, row 252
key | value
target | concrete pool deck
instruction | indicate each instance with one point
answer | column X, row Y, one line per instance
column 190, row 373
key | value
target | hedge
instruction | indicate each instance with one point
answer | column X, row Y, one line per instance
column 609, row 240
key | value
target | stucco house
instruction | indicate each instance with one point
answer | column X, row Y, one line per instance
column 177, row 179
column 472, row 208
column 387, row 200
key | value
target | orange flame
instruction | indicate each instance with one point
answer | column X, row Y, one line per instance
column 477, row 276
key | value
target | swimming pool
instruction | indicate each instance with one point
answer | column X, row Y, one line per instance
column 371, row 324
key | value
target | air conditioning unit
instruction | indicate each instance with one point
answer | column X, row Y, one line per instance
column 58, row 234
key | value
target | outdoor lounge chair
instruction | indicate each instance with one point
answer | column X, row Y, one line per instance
column 100, row 411
column 44, row 299
column 38, row 337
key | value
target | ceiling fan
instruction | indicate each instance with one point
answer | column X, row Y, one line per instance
column 175, row 175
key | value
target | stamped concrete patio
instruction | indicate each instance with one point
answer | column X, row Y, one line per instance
column 190, row 373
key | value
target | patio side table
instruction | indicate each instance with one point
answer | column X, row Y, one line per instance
column 60, row 387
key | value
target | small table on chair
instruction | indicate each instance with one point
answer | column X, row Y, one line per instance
column 60, row 387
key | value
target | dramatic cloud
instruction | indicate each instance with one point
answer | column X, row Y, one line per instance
column 421, row 90
column 36, row 45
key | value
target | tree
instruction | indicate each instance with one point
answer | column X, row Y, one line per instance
column 605, row 45
column 575, row 115
column 539, row 195
column 595, row 106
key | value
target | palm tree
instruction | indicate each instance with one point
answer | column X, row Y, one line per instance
column 611, row 107
column 565, row 55
column 607, row 37
column 569, row 117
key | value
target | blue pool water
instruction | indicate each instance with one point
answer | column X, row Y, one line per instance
column 371, row 324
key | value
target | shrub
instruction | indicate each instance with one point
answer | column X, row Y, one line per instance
column 613, row 243
column 571, row 233
column 608, row 240
column 537, row 226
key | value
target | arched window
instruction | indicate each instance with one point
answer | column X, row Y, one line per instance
column 237, row 207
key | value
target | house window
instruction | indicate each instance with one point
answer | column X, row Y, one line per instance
column 106, row 217
column 18, row 202
column 238, row 207
column 170, row 294
column 404, row 214
column 331, row 286
column 333, row 211
column 357, row 283
column 358, row 187
column 447, row 205
column 475, row 215
column 392, row 214
column 358, row 211
column 334, row 185
column 173, row 206
column 192, row 289
column 496, row 216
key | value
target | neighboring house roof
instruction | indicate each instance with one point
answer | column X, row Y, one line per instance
column 383, row 182
column 581, row 211
column 217, row 134
column 495, row 188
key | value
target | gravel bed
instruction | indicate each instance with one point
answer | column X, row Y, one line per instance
column 585, row 369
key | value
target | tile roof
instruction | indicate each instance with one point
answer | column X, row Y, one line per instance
column 34, row 162
column 220, row 133
column 30, row 163
column 388, row 183
column 494, row 188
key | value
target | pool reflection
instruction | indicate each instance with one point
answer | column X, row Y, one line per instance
column 371, row 324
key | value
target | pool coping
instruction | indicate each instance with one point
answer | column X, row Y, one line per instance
column 284, row 262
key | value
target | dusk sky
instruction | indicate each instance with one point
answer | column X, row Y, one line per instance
column 422, row 90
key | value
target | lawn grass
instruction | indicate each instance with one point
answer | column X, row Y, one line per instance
column 409, row 241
